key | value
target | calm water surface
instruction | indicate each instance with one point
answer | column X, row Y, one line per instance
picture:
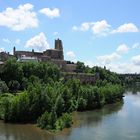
column 120, row 121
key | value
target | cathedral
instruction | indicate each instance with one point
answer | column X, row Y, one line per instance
column 55, row 56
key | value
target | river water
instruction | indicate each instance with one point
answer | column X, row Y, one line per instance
column 120, row 121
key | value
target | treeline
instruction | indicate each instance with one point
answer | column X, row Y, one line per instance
column 103, row 73
column 129, row 79
column 16, row 76
column 43, row 97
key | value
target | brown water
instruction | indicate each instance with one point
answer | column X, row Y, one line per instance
column 114, row 122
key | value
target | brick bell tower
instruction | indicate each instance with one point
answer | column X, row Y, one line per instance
column 59, row 46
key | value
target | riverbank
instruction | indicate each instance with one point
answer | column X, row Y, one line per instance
column 48, row 99
column 51, row 109
column 112, row 120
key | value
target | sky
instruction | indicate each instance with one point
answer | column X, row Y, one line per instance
column 96, row 32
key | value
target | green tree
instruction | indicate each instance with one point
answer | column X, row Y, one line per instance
column 3, row 87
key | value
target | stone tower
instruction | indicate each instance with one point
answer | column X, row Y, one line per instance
column 58, row 45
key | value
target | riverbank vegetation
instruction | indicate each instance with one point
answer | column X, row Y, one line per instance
column 36, row 92
column 129, row 79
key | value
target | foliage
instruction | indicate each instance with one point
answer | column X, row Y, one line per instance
column 3, row 87
column 5, row 100
column 80, row 67
column 101, row 73
column 50, row 121
column 16, row 74
column 49, row 101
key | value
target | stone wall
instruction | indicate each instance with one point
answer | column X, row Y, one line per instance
column 54, row 54
column 70, row 67
column 60, row 63
column 83, row 77
column 19, row 54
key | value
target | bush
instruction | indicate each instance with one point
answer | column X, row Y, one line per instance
column 43, row 121
column 14, row 85
column 3, row 87
column 67, row 119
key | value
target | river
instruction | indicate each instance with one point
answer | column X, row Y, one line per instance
column 120, row 121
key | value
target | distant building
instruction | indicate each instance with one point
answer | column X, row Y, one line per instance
column 50, row 55
column 4, row 56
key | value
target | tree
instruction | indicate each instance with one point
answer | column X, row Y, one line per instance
column 14, row 85
column 80, row 67
column 3, row 87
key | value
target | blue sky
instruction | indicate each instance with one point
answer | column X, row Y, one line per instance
column 97, row 32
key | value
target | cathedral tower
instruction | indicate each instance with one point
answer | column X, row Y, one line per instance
column 58, row 45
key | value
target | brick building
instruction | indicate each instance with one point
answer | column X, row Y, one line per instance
column 50, row 55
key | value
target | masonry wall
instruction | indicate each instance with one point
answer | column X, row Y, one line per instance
column 54, row 54
column 84, row 78
column 70, row 67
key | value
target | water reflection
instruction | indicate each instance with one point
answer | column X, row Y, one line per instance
column 95, row 117
column 133, row 89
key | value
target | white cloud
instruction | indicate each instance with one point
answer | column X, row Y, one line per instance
column 117, row 67
column 136, row 45
column 89, row 63
column 6, row 40
column 11, row 52
column 75, row 28
column 103, row 28
column 109, row 58
column 17, row 41
column 136, row 60
column 112, row 62
column 19, row 19
column 55, row 33
column 106, row 59
column 51, row 13
column 124, row 68
column 85, row 26
column 2, row 49
column 127, row 27
column 38, row 42
column 132, row 66
column 122, row 49
column 71, row 54
column 100, row 27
